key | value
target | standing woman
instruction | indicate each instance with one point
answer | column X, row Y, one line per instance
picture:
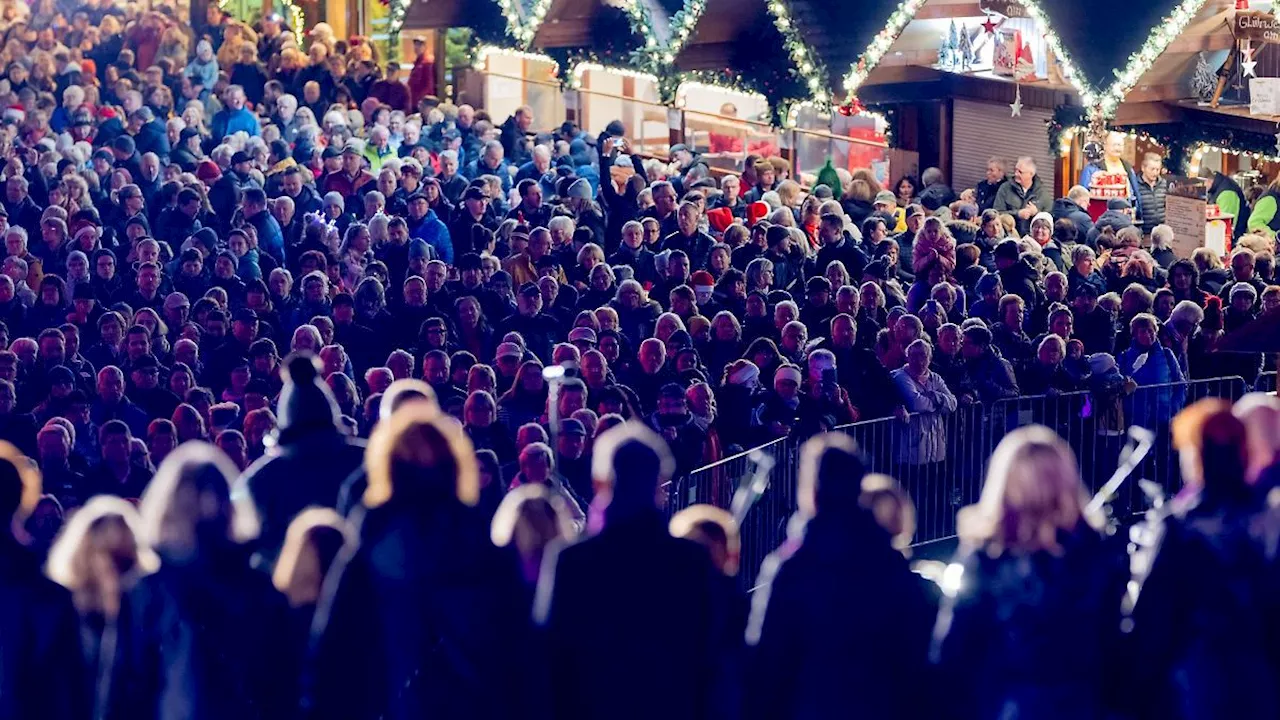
column 1031, row 615
column 209, row 635
column 98, row 558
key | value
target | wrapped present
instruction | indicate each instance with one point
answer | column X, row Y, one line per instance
column 1108, row 185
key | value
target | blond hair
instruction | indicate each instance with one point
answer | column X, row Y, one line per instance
column 891, row 507
column 97, row 554
column 313, row 541
column 707, row 525
column 415, row 447
column 1032, row 493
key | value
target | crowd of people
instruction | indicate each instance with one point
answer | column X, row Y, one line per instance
column 244, row 255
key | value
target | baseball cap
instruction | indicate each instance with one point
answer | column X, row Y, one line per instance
column 885, row 197
column 573, row 426
column 508, row 349
column 331, row 152
column 241, row 157
column 474, row 193
column 583, row 334
column 1118, row 204
column 529, row 289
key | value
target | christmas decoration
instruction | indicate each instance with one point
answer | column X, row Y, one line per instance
column 1204, row 80
column 965, row 50
column 1024, row 68
column 1142, row 60
column 1278, row 138
column 806, row 63
column 1016, row 105
column 989, row 26
column 851, row 108
column 297, row 20
column 947, row 48
column 1247, row 64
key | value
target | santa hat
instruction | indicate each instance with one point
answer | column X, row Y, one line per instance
column 15, row 113
column 745, row 374
column 702, row 279
column 720, row 218
column 756, row 212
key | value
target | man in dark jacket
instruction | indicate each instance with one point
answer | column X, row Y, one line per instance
column 514, row 143
column 985, row 191
column 936, row 193
column 836, row 246
column 695, row 243
column 990, row 375
column 1017, row 275
column 1152, row 187
column 539, row 330
column 41, row 664
column 840, row 626
column 1119, row 215
column 149, row 134
column 1024, row 196
column 603, row 668
column 311, row 458
column 1075, row 207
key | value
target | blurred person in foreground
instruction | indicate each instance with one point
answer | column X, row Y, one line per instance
column 422, row 616
column 41, row 670
column 1030, row 620
column 839, row 625
column 630, row 613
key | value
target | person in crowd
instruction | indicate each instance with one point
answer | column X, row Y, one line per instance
column 1024, row 196
column 1056, row 655
column 868, row 624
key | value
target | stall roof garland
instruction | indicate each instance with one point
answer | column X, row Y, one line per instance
column 1142, row 60
column 906, row 12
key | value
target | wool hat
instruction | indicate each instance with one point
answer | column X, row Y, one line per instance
column 1101, row 363
column 208, row 172
column 745, row 374
column 756, row 212
column 508, row 349
column 335, row 198
column 306, row 404
column 583, row 334
column 787, row 372
column 580, row 188
column 175, row 300
column 419, row 249
column 885, row 197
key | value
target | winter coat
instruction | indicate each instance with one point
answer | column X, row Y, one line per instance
column 985, row 192
column 1012, row 197
column 295, row 475
column 422, row 619
column 1152, row 196
column 1033, row 636
column 1115, row 219
column 1067, row 209
column 1152, row 408
column 839, row 624
column 42, row 672
column 1022, row 279
column 656, row 664
column 209, row 639
column 923, row 438
column 990, row 378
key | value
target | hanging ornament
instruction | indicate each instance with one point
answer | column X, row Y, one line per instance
column 1024, row 67
column 1016, row 105
column 989, row 26
column 1247, row 63
column 851, row 108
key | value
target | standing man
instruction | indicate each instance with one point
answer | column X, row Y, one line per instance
column 1024, row 196
column 1152, row 187
column 422, row 78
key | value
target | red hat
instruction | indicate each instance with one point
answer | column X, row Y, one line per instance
column 756, row 212
column 208, row 172
column 105, row 112
column 720, row 218
column 702, row 278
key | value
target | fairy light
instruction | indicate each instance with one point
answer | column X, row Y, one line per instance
column 1202, row 149
column 906, row 12
column 806, row 63
column 683, row 24
column 297, row 20
column 1069, row 134
column 1142, row 60
column 483, row 54
column 520, row 27
column 582, row 68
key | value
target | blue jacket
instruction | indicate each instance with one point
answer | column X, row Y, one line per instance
column 1152, row 407
column 1135, row 198
column 435, row 233
column 270, row 237
column 229, row 121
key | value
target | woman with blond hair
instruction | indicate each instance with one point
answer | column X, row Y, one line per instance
column 207, row 630
column 423, row 618
column 1031, row 610
column 530, row 518
column 98, row 557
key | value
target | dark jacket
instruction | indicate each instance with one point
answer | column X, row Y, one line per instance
column 655, row 664
column 1152, row 196
column 839, row 623
column 209, row 639
column 1116, row 219
column 1033, row 636
column 1066, row 209
column 847, row 252
column 41, row 668
column 425, row 618
column 1023, row 280
column 1012, row 197
column 985, row 192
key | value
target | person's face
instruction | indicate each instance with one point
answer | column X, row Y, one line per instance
column 149, row 279
column 664, row 201
column 1164, row 306
column 1150, row 170
column 1049, row 355
column 1144, row 336
column 949, row 342
column 652, row 356
column 1242, row 303
column 1242, row 267
column 115, row 448
column 469, row 313
column 314, row 291
column 530, row 304
column 110, row 387
column 995, row 173
column 678, row 269
column 1180, row 279
column 918, row 360
column 1040, row 232
column 146, row 378
column 970, row 349
column 1012, row 316
column 687, row 219
column 1023, row 173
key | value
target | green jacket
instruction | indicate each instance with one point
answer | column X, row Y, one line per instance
column 1011, row 198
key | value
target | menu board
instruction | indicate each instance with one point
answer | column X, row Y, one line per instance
column 1184, row 211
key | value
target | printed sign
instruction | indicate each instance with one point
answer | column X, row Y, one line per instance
column 1184, row 211
column 1007, row 8
column 1264, row 96
column 1255, row 25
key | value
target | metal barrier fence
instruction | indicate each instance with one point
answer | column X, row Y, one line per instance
column 941, row 459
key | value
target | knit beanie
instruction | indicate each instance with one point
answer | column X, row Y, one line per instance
column 306, row 404
column 580, row 188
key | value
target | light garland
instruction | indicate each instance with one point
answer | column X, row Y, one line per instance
column 1142, row 60
column 297, row 20
column 683, row 24
column 582, row 68
column 481, row 59
column 1069, row 135
column 1203, row 148
column 519, row 27
column 906, row 12
column 807, row 64
column 881, row 121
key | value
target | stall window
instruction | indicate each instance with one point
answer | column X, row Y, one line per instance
column 726, row 125
column 515, row 80
column 606, row 95
column 852, row 142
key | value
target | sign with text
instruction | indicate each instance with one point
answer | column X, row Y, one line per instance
column 1256, row 25
column 1264, row 96
column 1184, row 211
column 1007, row 8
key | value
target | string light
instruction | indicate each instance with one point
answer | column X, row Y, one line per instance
column 297, row 20
column 906, row 12
column 486, row 51
column 1069, row 134
column 806, row 63
column 1204, row 148
column 1142, row 60
column 520, row 27
column 683, row 24
column 582, row 68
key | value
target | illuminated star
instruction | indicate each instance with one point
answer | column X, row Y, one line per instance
column 1016, row 105
column 1249, row 67
column 989, row 26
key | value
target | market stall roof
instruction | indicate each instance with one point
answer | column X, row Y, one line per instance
column 593, row 25
column 1100, row 35
column 839, row 32
column 486, row 17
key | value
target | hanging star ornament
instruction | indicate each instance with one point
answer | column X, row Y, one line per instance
column 989, row 26
column 1249, row 67
column 1016, row 105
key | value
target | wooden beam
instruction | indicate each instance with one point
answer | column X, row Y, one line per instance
column 434, row 14
column 1148, row 113
column 705, row 56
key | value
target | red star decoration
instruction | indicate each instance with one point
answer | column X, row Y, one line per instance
column 989, row 26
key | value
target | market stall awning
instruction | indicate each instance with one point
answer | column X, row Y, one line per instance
column 485, row 17
column 839, row 33
column 595, row 25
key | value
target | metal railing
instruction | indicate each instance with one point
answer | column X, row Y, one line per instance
column 941, row 461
